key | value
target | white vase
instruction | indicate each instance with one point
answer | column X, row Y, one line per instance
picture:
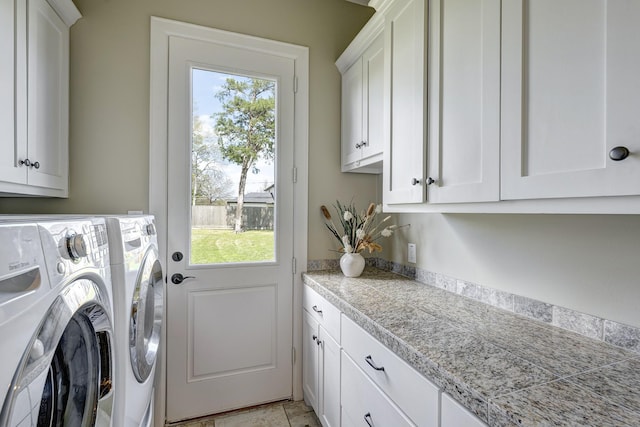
column 352, row 264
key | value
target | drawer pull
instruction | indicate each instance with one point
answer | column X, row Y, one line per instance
column 316, row 309
column 369, row 360
column 368, row 420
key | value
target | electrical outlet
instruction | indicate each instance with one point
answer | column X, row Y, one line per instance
column 411, row 253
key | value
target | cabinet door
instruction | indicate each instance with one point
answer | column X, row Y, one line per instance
column 48, row 97
column 329, row 374
column 570, row 94
column 373, row 91
column 12, row 144
column 464, row 101
column 310, row 362
column 405, row 98
column 352, row 101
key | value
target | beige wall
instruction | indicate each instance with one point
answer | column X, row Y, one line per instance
column 589, row 263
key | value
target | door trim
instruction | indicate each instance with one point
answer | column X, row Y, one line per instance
column 161, row 30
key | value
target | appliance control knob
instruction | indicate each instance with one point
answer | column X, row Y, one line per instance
column 151, row 229
column 76, row 246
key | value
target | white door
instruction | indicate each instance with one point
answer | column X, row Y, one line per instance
column 229, row 325
column 570, row 96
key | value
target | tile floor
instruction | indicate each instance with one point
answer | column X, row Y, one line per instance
column 279, row 414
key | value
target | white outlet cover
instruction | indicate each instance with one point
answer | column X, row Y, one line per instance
column 411, row 253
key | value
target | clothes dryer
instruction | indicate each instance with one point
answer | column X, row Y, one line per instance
column 138, row 306
column 56, row 315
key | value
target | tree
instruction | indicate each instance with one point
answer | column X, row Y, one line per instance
column 246, row 128
column 208, row 180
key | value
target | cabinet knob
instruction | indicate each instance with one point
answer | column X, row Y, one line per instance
column 36, row 165
column 430, row 181
column 25, row 162
column 361, row 144
column 415, row 181
column 619, row 153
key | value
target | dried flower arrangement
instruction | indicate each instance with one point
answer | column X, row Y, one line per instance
column 359, row 231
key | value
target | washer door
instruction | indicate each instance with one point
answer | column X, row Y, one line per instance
column 146, row 316
column 64, row 377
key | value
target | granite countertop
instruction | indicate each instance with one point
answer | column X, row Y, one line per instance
column 505, row 368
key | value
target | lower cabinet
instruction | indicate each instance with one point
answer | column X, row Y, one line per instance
column 412, row 395
column 352, row 379
column 321, row 371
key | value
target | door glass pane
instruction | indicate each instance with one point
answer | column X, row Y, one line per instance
column 233, row 147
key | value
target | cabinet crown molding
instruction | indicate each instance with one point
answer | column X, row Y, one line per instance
column 66, row 10
column 356, row 48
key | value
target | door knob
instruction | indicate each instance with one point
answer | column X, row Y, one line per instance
column 618, row 153
column 178, row 278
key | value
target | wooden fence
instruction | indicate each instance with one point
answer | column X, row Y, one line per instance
column 223, row 217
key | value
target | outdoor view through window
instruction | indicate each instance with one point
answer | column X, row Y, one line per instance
column 233, row 149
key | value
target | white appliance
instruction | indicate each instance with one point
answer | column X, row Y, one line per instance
column 55, row 323
column 138, row 287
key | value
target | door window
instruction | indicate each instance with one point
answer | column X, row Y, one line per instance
column 233, row 152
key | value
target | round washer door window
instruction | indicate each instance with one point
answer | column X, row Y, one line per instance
column 146, row 316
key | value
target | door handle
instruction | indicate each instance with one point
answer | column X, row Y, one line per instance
column 178, row 278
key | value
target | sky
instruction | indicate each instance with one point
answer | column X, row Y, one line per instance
column 205, row 85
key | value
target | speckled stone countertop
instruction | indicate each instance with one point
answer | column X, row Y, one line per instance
column 506, row 369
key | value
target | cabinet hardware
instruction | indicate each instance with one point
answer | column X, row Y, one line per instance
column 619, row 153
column 36, row 165
column 25, row 162
column 431, row 181
column 314, row 337
column 316, row 309
column 369, row 360
column 415, row 181
column 368, row 420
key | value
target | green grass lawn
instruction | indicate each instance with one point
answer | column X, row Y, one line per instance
column 221, row 246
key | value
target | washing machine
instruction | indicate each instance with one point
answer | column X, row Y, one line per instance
column 138, row 291
column 56, row 323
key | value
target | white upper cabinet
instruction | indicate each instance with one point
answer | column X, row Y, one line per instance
column 362, row 67
column 10, row 152
column 405, row 103
column 570, row 96
column 35, row 96
column 48, row 97
column 464, row 101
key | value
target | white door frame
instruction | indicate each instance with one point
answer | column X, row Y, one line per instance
column 161, row 30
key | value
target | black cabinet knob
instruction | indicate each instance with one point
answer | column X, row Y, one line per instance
column 619, row 153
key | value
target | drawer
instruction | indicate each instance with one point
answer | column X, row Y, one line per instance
column 413, row 393
column 322, row 311
column 364, row 403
